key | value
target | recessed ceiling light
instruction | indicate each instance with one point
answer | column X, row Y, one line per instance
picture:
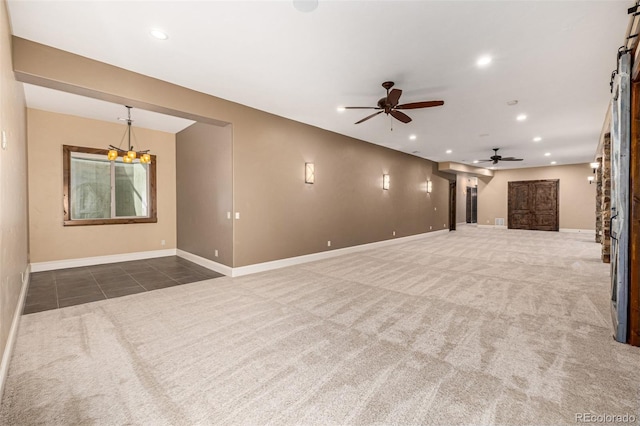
column 537, row 139
column 412, row 137
column 513, row 102
column 521, row 117
column 475, row 161
column 341, row 109
column 547, row 154
column 449, row 151
column 160, row 35
column 554, row 162
column 483, row 61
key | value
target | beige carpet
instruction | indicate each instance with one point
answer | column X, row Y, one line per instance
column 479, row 326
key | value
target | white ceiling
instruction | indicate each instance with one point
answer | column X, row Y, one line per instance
column 554, row 57
column 67, row 103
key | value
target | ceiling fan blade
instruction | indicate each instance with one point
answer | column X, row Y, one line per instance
column 400, row 116
column 425, row 104
column 369, row 116
column 362, row 108
column 394, row 97
column 484, row 161
column 510, row 159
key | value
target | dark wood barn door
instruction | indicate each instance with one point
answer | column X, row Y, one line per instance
column 533, row 204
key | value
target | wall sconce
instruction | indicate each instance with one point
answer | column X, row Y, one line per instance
column 385, row 181
column 429, row 186
column 309, row 173
column 590, row 179
column 594, row 166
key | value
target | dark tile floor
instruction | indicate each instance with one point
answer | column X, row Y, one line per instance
column 74, row 286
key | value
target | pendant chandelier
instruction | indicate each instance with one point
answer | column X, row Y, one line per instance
column 129, row 154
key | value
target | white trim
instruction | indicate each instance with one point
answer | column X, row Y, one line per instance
column 13, row 331
column 210, row 264
column 99, row 260
column 576, row 231
column 281, row 263
column 493, row 226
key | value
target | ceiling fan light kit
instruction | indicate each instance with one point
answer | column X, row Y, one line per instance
column 389, row 105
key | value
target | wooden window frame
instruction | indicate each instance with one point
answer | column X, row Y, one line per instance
column 66, row 171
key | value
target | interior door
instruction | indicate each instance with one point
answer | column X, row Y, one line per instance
column 533, row 205
column 619, row 227
column 452, row 205
column 472, row 204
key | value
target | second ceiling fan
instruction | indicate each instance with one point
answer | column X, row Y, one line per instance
column 495, row 158
column 389, row 105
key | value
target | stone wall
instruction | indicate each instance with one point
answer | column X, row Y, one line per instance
column 599, row 223
column 605, row 200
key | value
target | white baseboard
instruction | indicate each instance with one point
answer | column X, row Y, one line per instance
column 99, row 260
column 281, row 263
column 214, row 266
column 493, row 226
column 576, row 231
column 579, row 231
column 13, row 331
column 218, row 267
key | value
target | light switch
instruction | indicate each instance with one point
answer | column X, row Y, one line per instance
column 4, row 140
column 237, row 215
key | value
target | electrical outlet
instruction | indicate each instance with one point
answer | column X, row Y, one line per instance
column 430, row 227
column 162, row 242
column 237, row 215
column 329, row 243
column 394, row 233
column 4, row 140
column 435, row 209
column 228, row 215
column 444, row 225
column 215, row 253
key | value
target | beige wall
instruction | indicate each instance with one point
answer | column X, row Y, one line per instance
column 49, row 239
column 279, row 215
column 13, row 185
column 205, row 191
column 576, row 196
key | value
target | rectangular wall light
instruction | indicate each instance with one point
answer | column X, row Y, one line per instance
column 309, row 173
column 385, row 181
column 429, row 186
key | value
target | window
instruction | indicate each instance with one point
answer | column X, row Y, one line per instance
column 102, row 192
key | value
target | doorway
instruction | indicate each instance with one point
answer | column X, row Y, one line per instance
column 533, row 205
column 452, row 205
column 472, row 204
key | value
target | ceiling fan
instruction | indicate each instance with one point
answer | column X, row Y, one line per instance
column 389, row 105
column 495, row 158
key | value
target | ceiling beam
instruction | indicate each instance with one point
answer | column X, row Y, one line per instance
column 455, row 168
